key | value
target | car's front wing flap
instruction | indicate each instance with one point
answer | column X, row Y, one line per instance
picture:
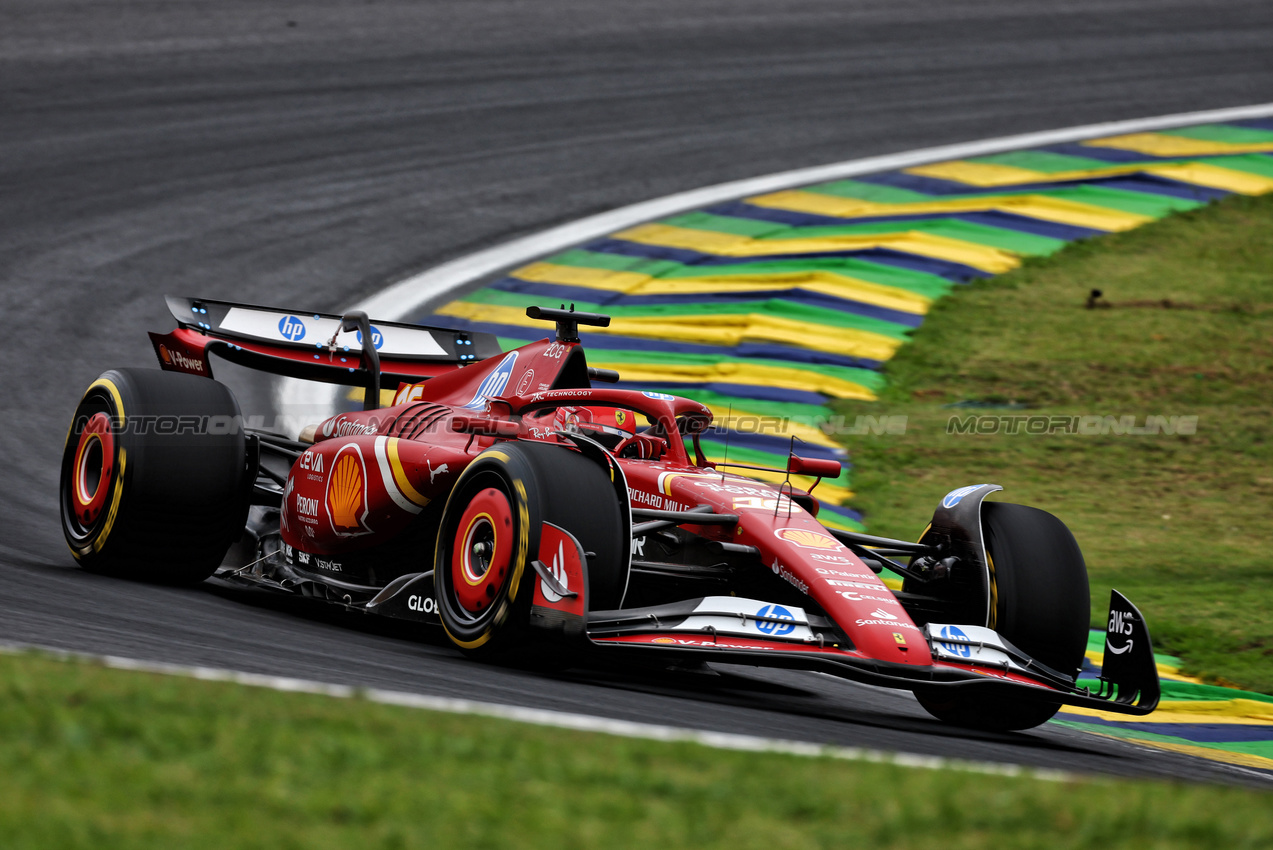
column 991, row 666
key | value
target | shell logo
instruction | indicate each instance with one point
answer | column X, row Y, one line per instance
column 807, row 539
column 663, row 640
column 163, row 352
column 347, row 493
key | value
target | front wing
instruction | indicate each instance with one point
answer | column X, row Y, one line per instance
column 966, row 658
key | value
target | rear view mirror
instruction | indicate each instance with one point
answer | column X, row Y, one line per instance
column 816, row 467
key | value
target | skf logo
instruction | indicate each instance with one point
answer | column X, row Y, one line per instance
column 346, row 497
column 291, row 328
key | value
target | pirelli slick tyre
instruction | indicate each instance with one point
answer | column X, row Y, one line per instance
column 490, row 533
column 154, row 480
column 576, row 494
column 1041, row 604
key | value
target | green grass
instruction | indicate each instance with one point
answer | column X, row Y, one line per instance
column 1181, row 524
column 100, row 758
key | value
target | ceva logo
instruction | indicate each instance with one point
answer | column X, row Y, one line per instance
column 291, row 328
column 494, row 383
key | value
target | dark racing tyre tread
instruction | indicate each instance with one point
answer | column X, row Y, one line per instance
column 539, row 483
column 172, row 498
column 1041, row 605
column 576, row 494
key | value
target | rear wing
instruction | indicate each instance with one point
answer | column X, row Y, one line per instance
column 297, row 344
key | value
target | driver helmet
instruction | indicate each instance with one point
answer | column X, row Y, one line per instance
column 609, row 426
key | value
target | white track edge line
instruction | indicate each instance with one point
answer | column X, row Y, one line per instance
column 548, row 718
column 405, row 297
column 408, row 296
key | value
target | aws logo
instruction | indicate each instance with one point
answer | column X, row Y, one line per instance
column 346, row 497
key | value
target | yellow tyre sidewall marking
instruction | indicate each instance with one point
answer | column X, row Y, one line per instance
column 519, row 566
column 117, row 495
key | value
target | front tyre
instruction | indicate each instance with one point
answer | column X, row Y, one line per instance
column 154, row 482
column 1041, row 604
column 490, row 533
column 488, row 536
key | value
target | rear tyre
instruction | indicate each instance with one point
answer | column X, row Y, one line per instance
column 154, row 482
column 1041, row 604
column 490, row 533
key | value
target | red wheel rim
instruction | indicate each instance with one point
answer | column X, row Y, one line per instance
column 482, row 551
column 94, row 466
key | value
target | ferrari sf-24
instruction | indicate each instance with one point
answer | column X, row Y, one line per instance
column 533, row 513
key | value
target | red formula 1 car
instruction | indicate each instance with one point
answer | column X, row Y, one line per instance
column 507, row 499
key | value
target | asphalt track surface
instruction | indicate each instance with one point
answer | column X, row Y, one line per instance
column 307, row 154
